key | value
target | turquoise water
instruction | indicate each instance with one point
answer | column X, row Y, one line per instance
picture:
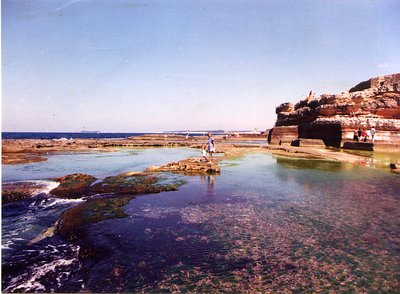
column 99, row 164
column 266, row 224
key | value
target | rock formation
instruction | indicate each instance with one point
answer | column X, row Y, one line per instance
column 333, row 118
column 129, row 183
column 73, row 186
column 16, row 191
column 190, row 166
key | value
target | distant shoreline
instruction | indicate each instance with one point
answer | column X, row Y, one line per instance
column 109, row 135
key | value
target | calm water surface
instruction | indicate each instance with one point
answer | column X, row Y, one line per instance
column 98, row 164
column 264, row 224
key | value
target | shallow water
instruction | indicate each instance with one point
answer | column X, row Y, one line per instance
column 376, row 159
column 98, row 164
column 265, row 224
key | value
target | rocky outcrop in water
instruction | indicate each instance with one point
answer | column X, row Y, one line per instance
column 333, row 118
column 134, row 183
column 130, row 183
column 190, row 166
column 73, row 223
column 16, row 191
column 73, row 186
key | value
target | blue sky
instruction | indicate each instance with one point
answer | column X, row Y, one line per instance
column 132, row 65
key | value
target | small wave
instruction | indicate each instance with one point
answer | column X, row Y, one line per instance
column 52, row 202
column 35, row 187
column 48, row 185
column 56, row 201
column 96, row 182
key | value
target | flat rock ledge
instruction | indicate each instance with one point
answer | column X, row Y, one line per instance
column 190, row 166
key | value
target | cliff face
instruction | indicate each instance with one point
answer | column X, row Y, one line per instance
column 333, row 118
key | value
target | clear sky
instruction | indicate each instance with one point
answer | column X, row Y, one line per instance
column 133, row 65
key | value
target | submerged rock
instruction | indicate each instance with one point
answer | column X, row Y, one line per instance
column 73, row 223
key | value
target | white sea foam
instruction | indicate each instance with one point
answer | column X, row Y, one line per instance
column 29, row 281
column 6, row 246
column 57, row 201
column 43, row 186
column 48, row 185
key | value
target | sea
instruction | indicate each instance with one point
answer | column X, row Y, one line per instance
column 93, row 135
column 67, row 135
column 266, row 224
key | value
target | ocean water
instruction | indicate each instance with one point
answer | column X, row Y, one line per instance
column 266, row 224
column 67, row 135
column 89, row 135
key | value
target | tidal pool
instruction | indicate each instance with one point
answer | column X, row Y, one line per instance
column 98, row 164
column 266, row 224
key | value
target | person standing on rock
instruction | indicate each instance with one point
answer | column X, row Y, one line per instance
column 211, row 145
column 355, row 135
column 359, row 132
column 372, row 132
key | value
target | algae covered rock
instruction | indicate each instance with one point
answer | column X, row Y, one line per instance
column 130, row 183
column 190, row 166
column 133, row 183
column 73, row 186
column 73, row 222
column 16, row 191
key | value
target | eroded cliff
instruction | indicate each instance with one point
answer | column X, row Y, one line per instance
column 333, row 118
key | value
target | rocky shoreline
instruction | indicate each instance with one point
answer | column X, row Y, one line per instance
column 20, row 151
column 104, row 199
column 78, row 185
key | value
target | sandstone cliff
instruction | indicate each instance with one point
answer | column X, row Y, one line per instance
column 333, row 118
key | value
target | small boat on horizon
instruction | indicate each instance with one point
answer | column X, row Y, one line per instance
column 91, row 132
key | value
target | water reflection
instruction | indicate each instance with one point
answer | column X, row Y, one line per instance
column 376, row 159
column 301, row 163
column 210, row 180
